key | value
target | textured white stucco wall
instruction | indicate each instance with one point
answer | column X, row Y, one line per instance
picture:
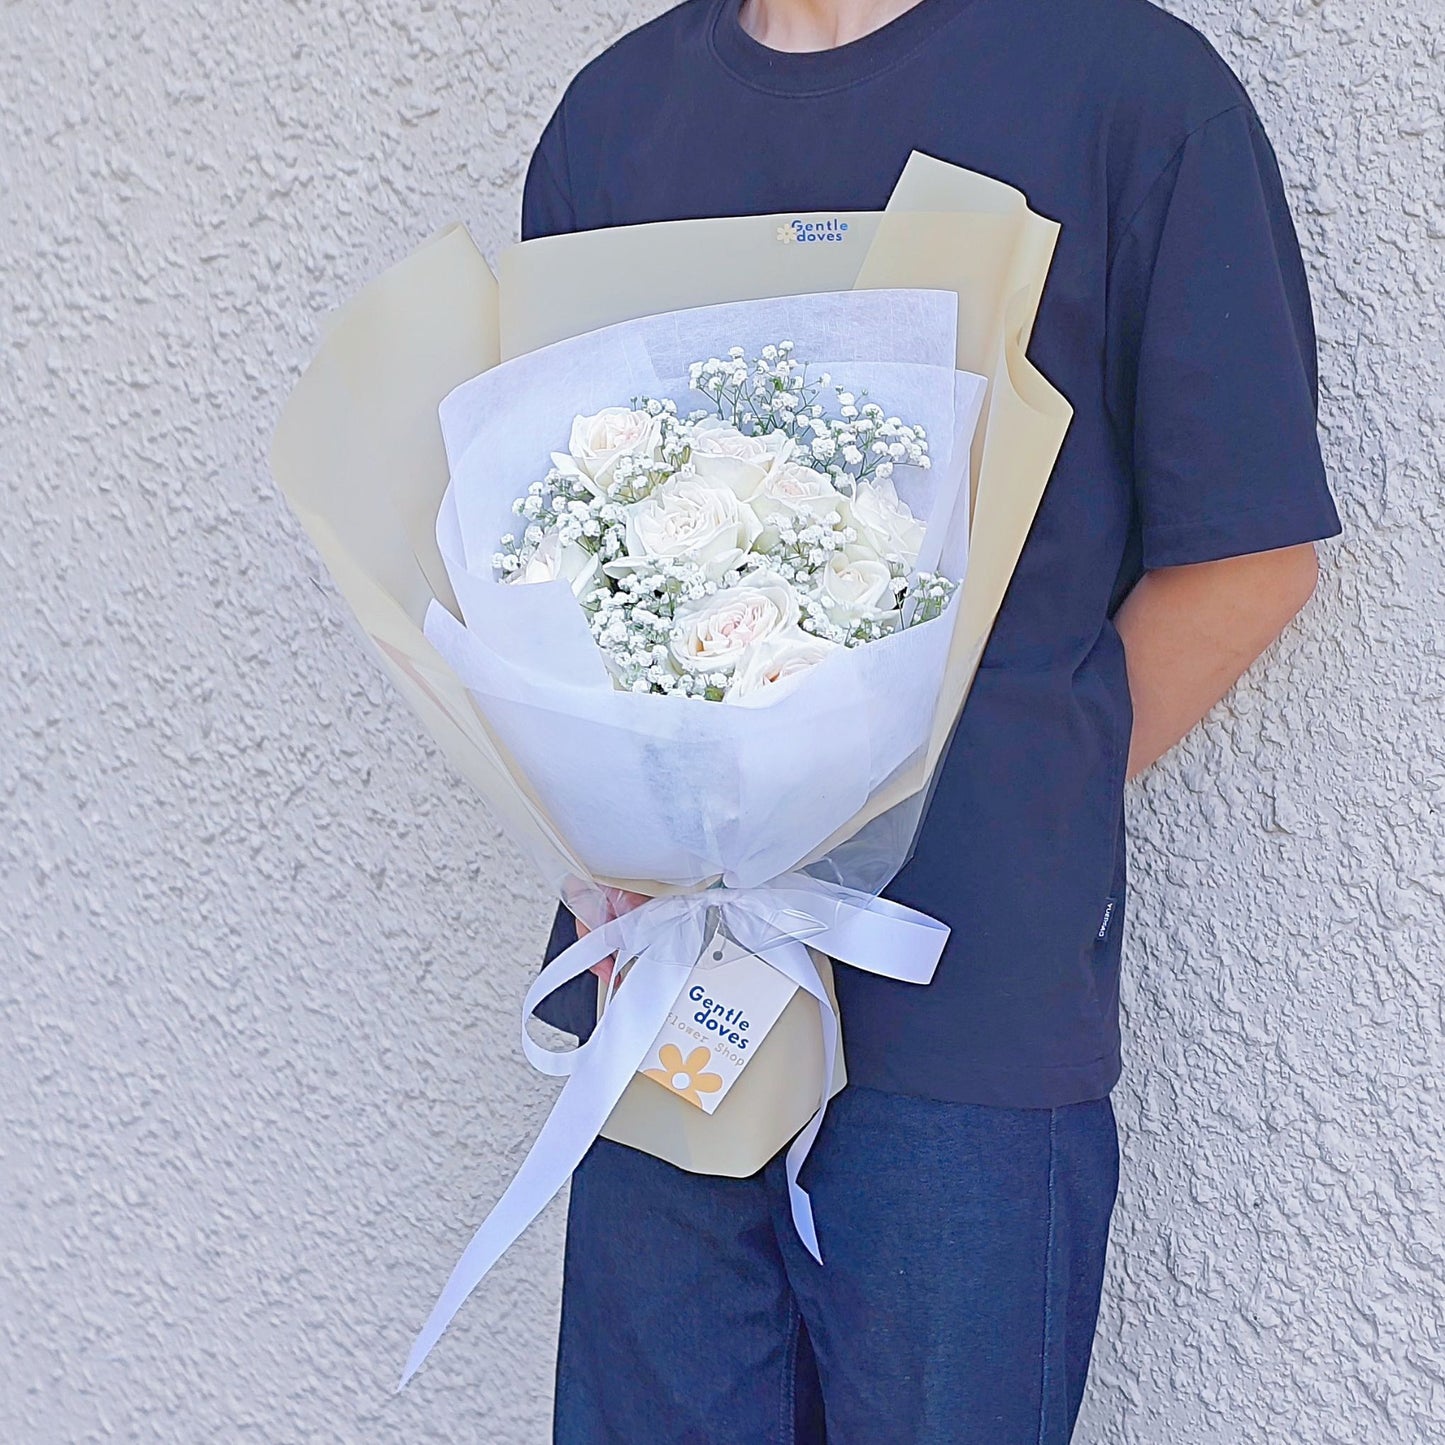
column 261, row 951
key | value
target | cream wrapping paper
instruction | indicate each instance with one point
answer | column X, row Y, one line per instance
column 359, row 455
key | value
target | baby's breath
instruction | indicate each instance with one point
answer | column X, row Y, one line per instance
column 632, row 602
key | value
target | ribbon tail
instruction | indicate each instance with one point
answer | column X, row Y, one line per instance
column 795, row 962
column 600, row 1075
column 799, row 1200
column 799, row 1149
column 871, row 933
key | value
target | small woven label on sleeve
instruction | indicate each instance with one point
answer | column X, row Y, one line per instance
column 1110, row 904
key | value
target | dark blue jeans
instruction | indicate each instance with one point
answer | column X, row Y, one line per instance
column 963, row 1248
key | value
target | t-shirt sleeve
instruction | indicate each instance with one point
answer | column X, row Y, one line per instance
column 1214, row 356
column 546, row 206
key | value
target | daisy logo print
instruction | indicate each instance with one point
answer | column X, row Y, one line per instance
column 685, row 1076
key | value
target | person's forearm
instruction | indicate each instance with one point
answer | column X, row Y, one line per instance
column 1191, row 632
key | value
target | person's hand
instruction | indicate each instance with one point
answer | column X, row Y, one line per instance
column 619, row 901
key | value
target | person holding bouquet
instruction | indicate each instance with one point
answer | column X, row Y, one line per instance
column 963, row 1181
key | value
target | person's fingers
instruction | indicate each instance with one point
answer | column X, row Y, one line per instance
column 619, row 901
column 604, row 969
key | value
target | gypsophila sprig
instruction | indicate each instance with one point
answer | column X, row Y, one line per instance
column 723, row 552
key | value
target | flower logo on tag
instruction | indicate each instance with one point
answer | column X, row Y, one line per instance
column 787, row 235
column 685, row 1076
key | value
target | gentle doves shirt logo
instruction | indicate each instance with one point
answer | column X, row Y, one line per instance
column 802, row 233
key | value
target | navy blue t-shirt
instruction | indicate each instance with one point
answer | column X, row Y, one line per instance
column 1177, row 322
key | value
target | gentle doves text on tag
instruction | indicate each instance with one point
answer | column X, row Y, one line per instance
column 731, row 1000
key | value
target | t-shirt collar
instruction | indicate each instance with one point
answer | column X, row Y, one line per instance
column 783, row 72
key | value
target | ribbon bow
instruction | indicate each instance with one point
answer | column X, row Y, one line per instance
column 664, row 938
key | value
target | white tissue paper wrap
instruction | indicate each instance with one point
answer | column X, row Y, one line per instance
column 678, row 791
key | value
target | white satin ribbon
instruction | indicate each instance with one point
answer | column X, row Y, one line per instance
column 665, row 937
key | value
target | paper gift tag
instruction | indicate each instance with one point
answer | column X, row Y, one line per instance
column 731, row 1000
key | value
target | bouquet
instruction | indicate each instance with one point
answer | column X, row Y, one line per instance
column 723, row 553
column 713, row 652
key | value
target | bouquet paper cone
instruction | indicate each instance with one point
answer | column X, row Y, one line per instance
column 773, row 1098
column 359, row 455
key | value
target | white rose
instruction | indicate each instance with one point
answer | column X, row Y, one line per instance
column 795, row 492
column 551, row 560
column 689, row 520
column 715, row 633
column 883, row 521
column 853, row 589
column 600, row 441
column 781, row 657
column 721, row 453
